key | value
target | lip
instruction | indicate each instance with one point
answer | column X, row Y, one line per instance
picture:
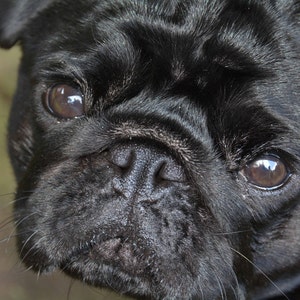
column 117, row 252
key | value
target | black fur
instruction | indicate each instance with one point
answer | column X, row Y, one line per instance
column 146, row 193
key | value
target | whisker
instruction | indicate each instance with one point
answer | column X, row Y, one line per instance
column 70, row 289
column 19, row 222
column 38, row 274
column 27, row 241
column 6, row 222
column 24, row 196
column 15, row 193
column 221, row 287
column 235, row 283
column 6, row 229
column 8, row 194
column 236, row 296
column 29, row 252
column 27, row 269
column 261, row 271
column 231, row 232
column 8, row 239
column 12, row 202
column 16, row 224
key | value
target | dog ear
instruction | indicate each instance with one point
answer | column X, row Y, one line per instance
column 15, row 15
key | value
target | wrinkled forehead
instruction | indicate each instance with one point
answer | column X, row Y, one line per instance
column 160, row 29
column 213, row 52
column 174, row 41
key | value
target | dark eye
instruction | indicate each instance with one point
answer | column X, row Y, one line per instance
column 64, row 101
column 266, row 172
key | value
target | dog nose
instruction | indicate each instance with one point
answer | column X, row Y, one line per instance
column 145, row 163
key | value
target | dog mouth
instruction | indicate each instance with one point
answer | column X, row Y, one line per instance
column 118, row 253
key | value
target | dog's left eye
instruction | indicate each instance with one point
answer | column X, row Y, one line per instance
column 267, row 172
column 64, row 101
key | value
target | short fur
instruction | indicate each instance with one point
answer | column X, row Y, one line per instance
column 146, row 193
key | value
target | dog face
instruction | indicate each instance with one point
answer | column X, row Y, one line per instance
column 156, row 144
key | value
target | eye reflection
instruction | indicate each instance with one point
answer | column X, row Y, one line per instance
column 64, row 101
column 266, row 172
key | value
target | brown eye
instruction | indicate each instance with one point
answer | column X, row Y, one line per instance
column 64, row 101
column 266, row 172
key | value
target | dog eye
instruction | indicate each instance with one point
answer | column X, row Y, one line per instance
column 64, row 101
column 266, row 172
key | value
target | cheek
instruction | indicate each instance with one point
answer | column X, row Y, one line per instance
column 21, row 146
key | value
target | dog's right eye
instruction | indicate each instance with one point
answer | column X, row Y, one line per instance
column 64, row 101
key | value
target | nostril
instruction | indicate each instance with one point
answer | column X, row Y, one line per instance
column 139, row 163
column 171, row 171
column 122, row 157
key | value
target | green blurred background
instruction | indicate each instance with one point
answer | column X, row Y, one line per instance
column 15, row 282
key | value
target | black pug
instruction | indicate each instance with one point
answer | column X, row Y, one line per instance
column 156, row 144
